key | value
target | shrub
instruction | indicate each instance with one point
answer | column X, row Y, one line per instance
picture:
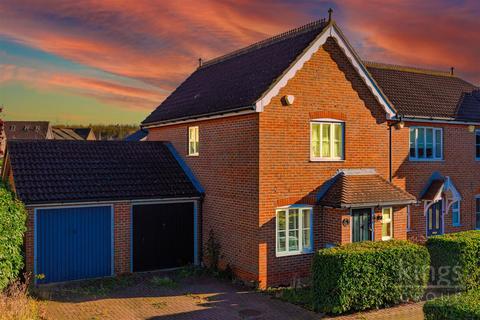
column 456, row 307
column 368, row 275
column 456, row 259
column 12, row 227
column 16, row 304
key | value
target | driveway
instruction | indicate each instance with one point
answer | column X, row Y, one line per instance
column 150, row 296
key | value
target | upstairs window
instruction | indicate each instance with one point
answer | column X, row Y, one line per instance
column 426, row 143
column 326, row 141
column 294, row 231
column 193, row 141
column 477, row 144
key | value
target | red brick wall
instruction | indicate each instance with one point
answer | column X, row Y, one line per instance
column 459, row 163
column 29, row 241
column 327, row 87
column 227, row 168
column 122, row 236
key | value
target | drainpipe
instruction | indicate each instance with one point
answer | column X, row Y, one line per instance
column 390, row 146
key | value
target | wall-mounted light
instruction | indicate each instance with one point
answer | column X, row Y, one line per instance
column 400, row 125
column 345, row 222
column 379, row 218
column 471, row 128
column 288, row 100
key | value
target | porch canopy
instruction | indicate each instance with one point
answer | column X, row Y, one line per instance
column 361, row 188
column 440, row 188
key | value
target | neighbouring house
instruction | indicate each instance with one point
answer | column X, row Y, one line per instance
column 300, row 145
column 99, row 208
column 61, row 133
column 284, row 147
column 139, row 135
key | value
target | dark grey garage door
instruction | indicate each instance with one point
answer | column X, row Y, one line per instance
column 163, row 235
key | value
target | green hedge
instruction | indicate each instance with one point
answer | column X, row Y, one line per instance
column 456, row 259
column 12, row 227
column 457, row 307
column 368, row 275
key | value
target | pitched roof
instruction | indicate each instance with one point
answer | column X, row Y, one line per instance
column 85, row 133
column 51, row 171
column 433, row 190
column 139, row 135
column 26, row 129
column 358, row 189
column 237, row 80
column 426, row 93
column 65, row 134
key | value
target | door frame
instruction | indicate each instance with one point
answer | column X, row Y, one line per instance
column 35, row 232
column 427, row 207
column 372, row 215
column 196, row 226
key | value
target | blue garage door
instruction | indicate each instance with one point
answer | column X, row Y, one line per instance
column 73, row 243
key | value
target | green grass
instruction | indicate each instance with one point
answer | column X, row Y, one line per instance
column 299, row 296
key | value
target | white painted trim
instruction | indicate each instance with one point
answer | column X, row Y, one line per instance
column 195, row 139
column 98, row 203
column 201, row 118
column 330, row 31
column 434, row 144
column 391, row 224
column 439, row 121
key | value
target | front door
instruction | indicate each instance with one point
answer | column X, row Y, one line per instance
column 361, row 224
column 434, row 219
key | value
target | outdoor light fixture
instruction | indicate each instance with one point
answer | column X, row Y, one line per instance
column 471, row 128
column 288, row 99
column 345, row 222
column 379, row 218
column 400, row 125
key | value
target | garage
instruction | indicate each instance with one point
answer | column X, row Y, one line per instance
column 163, row 235
column 73, row 243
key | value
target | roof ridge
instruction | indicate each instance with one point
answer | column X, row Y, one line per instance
column 266, row 42
column 381, row 65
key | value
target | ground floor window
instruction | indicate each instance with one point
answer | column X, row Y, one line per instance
column 477, row 210
column 409, row 218
column 387, row 224
column 294, row 230
column 456, row 213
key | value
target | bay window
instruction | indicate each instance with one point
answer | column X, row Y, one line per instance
column 326, row 140
column 426, row 143
column 294, row 230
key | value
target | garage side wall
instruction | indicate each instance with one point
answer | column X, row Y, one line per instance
column 122, row 237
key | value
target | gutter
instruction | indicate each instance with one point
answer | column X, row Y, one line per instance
column 210, row 115
column 435, row 120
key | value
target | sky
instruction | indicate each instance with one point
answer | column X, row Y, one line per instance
column 110, row 61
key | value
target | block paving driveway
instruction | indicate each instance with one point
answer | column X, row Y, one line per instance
column 192, row 298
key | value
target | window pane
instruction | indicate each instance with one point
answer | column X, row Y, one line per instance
column 477, row 205
column 281, row 220
column 293, row 240
column 429, row 142
column 281, row 242
column 477, row 153
column 338, row 144
column 387, row 214
column 477, row 137
column 455, row 213
column 438, row 144
column 412, row 142
column 421, row 143
column 306, row 229
column 293, row 219
column 326, row 140
column 315, row 140
column 387, row 230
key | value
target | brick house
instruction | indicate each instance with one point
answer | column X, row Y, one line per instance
column 300, row 144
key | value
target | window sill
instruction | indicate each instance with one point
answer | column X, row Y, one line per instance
column 326, row 160
column 457, row 225
column 426, row 160
column 289, row 254
column 193, row 155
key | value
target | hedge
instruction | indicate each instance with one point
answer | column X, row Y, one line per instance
column 456, row 259
column 367, row 275
column 457, row 307
column 12, row 227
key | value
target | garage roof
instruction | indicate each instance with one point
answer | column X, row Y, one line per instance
column 56, row 171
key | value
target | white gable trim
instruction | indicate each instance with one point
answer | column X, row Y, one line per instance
column 330, row 31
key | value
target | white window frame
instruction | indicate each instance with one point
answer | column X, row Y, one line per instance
column 195, row 140
column 434, row 144
column 409, row 218
column 331, row 122
column 301, row 248
column 477, row 133
column 459, row 223
column 477, row 211
column 386, row 238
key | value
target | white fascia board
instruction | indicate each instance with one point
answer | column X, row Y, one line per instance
column 330, row 31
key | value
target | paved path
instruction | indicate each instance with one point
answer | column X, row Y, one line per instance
column 194, row 298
